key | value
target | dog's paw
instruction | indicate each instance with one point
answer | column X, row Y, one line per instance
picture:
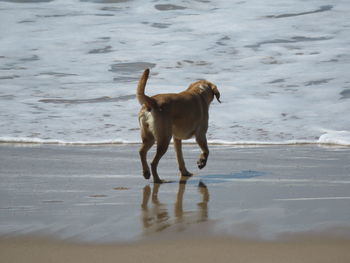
column 201, row 163
column 187, row 174
column 160, row 181
column 202, row 185
column 146, row 174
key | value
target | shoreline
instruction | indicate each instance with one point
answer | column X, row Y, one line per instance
column 229, row 144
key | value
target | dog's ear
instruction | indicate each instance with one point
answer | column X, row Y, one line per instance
column 216, row 92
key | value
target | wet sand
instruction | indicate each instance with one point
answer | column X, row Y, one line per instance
column 91, row 204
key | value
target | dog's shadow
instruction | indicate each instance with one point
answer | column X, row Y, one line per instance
column 155, row 216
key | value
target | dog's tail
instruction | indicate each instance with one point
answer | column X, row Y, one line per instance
column 149, row 102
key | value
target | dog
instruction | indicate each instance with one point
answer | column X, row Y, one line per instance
column 175, row 115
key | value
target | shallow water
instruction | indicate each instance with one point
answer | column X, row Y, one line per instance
column 68, row 69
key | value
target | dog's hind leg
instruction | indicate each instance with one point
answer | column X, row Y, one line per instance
column 179, row 157
column 162, row 147
column 203, row 157
column 147, row 143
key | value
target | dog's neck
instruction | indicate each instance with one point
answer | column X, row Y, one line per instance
column 205, row 93
column 201, row 87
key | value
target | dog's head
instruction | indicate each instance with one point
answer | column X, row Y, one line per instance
column 206, row 88
column 215, row 91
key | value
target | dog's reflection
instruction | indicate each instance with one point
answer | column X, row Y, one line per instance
column 156, row 217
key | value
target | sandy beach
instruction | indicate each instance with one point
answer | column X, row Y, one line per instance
column 208, row 250
column 250, row 204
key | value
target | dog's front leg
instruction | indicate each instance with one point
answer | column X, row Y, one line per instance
column 203, row 157
column 179, row 157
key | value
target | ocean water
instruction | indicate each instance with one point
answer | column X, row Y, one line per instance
column 69, row 68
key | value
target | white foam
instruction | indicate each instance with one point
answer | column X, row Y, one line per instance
column 281, row 79
column 291, row 142
column 335, row 137
column 51, row 141
column 26, row 140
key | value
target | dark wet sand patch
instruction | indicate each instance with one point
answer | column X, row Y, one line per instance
column 276, row 81
column 345, row 94
column 199, row 63
column 323, row 8
column 104, row 15
column 131, row 67
column 111, row 8
column 168, row 7
column 29, row 59
column 296, row 39
column 105, row 38
column 106, row 1
column 56, row 74
column 7, row 97
column 160, row 25
column 73, row 14
column 95, row 100
column 123, row 79
column 222, row 41
column 317, row 82
column 12, row 67
column 26, row 21
column 106, row 49
column 10, row 77
column 334, row 60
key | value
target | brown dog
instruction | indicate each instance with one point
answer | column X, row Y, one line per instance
column 178, row 115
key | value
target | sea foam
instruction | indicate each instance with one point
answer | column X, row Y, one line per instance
column 69, row 69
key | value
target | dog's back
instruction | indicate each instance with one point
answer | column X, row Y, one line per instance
column 183, row 111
